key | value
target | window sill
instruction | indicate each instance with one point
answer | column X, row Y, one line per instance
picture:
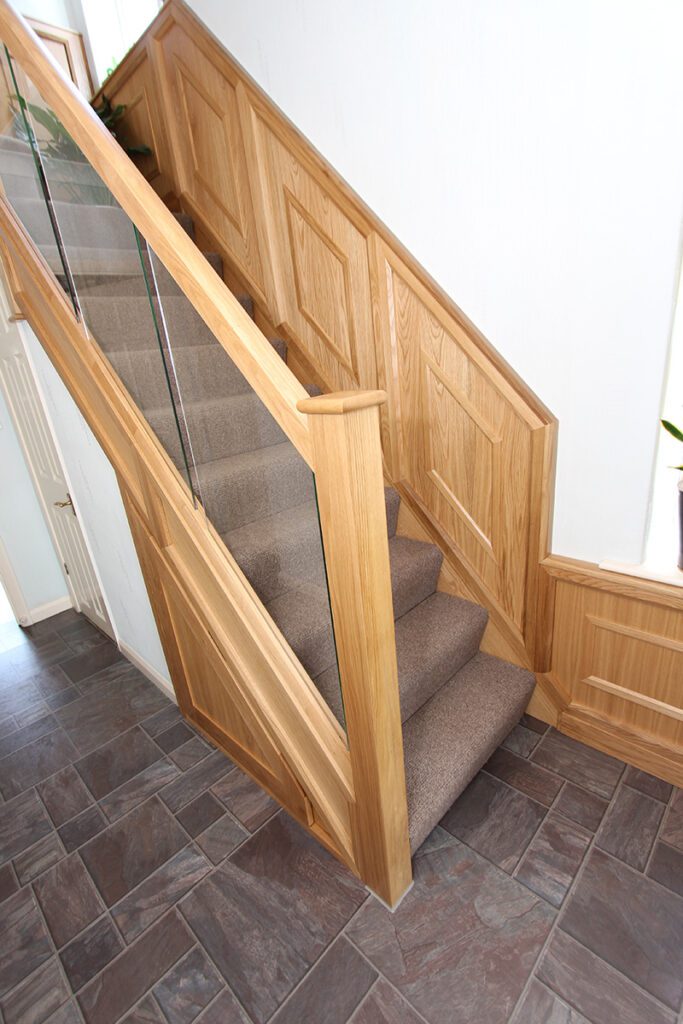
column 646, row 571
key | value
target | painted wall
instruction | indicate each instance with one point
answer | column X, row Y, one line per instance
column 530, row 155
column 23, row 531
column 96, row 495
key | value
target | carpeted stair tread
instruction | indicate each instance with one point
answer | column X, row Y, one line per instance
column 130, row 325
column 242, row 488
column 393, row 501
column 110, row 281
column 303, row 615
column 433, row 641
column 448, row 740
column 81, row 225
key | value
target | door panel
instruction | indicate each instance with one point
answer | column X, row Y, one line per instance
column 48, row 476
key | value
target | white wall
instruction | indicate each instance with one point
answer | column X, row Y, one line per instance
column 93, row 486
column 529, row 154
column 23, row 531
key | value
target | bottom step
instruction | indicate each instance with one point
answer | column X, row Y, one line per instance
column 448, row 740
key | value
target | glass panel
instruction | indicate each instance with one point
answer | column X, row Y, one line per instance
column 96, row 253
column 256, row 489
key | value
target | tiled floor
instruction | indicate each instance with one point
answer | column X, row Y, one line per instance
column 144, row 879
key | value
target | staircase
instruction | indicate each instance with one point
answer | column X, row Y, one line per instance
column 457, row 703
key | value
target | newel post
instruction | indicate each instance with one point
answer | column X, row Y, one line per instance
column 344, row 429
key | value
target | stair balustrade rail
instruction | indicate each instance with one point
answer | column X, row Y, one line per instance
column 234, row 674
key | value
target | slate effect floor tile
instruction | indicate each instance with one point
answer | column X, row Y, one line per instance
column 461, row 944
column 494, row 820
column 629, row 828
column 631, row 923
column 267, row 914
column 593, row 987
column 279, row 919
column 130, row 850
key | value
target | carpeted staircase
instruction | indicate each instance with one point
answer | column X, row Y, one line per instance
column 457, row 703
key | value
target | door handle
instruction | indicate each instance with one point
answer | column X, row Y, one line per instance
column 65, row 504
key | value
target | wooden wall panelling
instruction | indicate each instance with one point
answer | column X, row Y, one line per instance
column 319, row 258
column 66, row 46
column 200, row 101
column 465, row 442
column 136, row 88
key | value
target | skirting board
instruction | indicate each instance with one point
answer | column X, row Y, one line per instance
column 147, row 670
column 44, row 611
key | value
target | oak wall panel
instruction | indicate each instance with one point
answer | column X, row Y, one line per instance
column 204, row 126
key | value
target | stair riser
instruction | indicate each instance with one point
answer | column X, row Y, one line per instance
column 203, row 372
column 228, row 429
column 107, row 285
column 235, row 499
column 130, row 325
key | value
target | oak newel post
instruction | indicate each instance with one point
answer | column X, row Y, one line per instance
column 347, row 460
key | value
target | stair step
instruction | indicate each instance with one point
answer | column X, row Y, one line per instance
column 393, row 500
column 255, row 484
column 202, row 370
column 121, row 278
column 284, row 550
column 218, row 427
column 452, row 736
column 81, row 225
column 130, row 325
column 433, row 641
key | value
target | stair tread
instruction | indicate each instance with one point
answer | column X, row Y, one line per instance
column 453, row 734
column 433, row 641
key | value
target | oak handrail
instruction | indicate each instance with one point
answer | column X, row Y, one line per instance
column 254, row 356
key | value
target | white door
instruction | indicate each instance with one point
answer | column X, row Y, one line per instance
column 46, row 469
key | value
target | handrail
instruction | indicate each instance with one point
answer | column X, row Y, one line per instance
column 249, row 349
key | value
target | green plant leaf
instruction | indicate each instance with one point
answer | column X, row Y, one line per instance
column 673, row 430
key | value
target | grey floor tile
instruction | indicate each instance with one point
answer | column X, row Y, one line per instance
column 47, row 852
column 384, row 1005
column 630, row 922
column 666, row 867
column 221, row 838
column 188, row 987
column 550, row 863
column 225, row 1009
column 82, row 828
column 629, row 828
column 23, row 939
column 126, row 979
column 521, row 741
column 23, row 821
column 332, row 990
column 68, row 1013
column 648, row 784
column 64, row 795
column 190, row 753
column 462, row 942
column 586, row 809
column 195, row 781
column 38, row 996
column 8, row 882
column 131, row 849
column 494, row 820
column 159, row 892
column 245, row 799
column 541, row 1006
column 267, row 914
column 174, row 737
column 90, row 952
column 105, row 711
column 162, row 720
column 60, row 700
column 594, row 988
column 200, row 813
column 118, row 761
column 591, row 769
column 140, row 787
column 35, row 762
column 146, row 1012
column 21, row 737
column 672, row 829
column 528, row 778
column 87, row 664
column 68, row 899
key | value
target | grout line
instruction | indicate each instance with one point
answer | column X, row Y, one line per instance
column 384, row 978
column 660, row 828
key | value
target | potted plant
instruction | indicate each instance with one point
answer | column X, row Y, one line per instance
column 678, row 434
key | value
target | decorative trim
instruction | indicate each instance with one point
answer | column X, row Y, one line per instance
column 44, row 611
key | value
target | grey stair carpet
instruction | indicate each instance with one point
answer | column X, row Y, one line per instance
column 457, row 704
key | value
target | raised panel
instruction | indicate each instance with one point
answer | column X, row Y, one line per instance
column 208, row 146
column 142, row 127
column 621, row 658
column 464, row 444
column 320, row 265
